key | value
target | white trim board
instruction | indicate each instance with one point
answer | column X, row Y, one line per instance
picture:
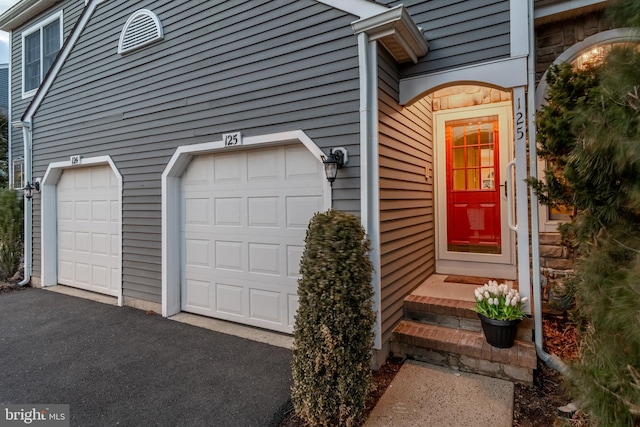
column 49, row 215
column 506, row 74
column 171, row 258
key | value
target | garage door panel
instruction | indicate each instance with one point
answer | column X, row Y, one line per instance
column 228, row 211
column 229, row 168
column 229, row 255
column 294, row 254
column 263, row 165
column 300, row 209
column 258, row 205
column 198, row 295
column 264, row 258
column 299, row 166
column 264, row 305
column 264, row 211
column 197, row 252
column 229, row 299
column 197, row 211
column 89, row 243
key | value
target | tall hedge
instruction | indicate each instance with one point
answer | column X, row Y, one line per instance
column 10, row 232
column 590, row 131
column 333, row 332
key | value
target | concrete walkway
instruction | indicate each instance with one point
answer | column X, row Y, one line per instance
column 423, row 395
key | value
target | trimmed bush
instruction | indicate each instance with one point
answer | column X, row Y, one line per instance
column 10, row 232
column 333, row 332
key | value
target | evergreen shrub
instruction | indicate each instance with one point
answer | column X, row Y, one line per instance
column 333, row 332
column 10, row 232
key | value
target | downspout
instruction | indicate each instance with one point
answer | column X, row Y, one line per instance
column 369, row 194
column 28, row 207
column 550, row 360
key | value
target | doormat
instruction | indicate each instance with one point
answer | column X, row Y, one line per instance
column 470, row 280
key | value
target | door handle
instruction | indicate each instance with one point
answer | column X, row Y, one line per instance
column 505, row 189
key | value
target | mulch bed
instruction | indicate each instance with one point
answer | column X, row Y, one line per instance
column 537, row 405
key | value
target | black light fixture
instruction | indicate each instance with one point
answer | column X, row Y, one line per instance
column 336, row 159
column 29, row 189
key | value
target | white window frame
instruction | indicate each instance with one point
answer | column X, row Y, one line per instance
column 38, row 27
column 17, row 184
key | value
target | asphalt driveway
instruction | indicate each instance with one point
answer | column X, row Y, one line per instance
column 121, row 366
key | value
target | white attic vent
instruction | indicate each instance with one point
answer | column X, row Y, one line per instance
column 142, row 28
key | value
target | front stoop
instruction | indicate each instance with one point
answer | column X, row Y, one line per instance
column 447, row 332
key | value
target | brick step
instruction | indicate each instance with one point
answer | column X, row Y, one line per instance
column 453, row 313
column 465, row 350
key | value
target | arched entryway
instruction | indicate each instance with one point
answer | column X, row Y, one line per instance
column 472, row 149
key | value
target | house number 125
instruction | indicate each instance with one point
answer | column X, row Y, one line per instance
column 231, row 139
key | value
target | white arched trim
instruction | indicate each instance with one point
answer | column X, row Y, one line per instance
column 505, row 74
column 171, row 177
column 617, row 35
column 49, row 214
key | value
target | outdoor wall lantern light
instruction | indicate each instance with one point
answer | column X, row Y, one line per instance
column 337, row 158
column 29, row 189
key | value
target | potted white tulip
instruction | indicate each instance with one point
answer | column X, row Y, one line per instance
column 499, row 308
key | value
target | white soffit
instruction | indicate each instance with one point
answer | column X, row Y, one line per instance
column 553, row 11
column 23, row 11
column 397, row 32
column 359, row 8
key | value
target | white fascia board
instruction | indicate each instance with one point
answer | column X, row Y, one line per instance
column 505, row 73
column 519, row 27
column 397, row 24
column 563, row 7
column 359, row 8
column 67, row 47
column 22, row 12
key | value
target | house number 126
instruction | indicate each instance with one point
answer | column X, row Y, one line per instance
column 231, row 139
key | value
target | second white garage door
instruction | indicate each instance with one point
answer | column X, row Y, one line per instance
column 89, row 230
column 245, row 215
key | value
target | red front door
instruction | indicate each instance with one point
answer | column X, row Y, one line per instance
column 473, row 189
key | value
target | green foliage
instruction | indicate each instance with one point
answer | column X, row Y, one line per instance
column 625, row 13
column 590, row 129
column 10, row 232
column 605, row 378
column 333, row 330
column 4, row 165
column 557, row 135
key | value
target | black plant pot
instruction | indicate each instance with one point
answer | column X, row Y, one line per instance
column 499, row 333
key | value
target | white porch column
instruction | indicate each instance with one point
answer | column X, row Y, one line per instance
column 521, row 191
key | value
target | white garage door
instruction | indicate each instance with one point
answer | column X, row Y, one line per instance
column 89, row 230
column 245, row 215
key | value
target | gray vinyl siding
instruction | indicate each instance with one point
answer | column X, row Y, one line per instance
column 258, row 67
column 4, row 90
column 71, row 10
column 406, row 197
column 459, row 32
